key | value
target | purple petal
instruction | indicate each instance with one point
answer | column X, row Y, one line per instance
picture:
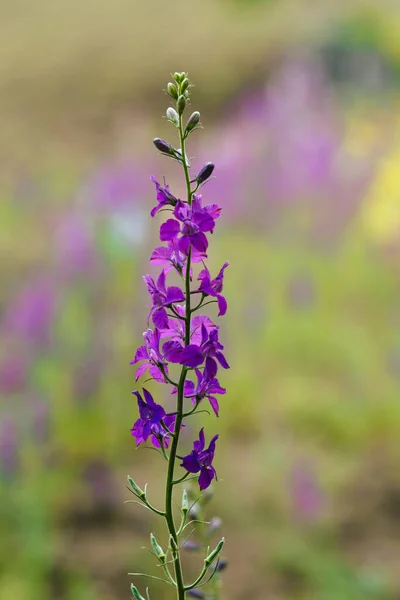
column 190, row 463
column 156, row 374
column 174, row 294
column 191, row 356
column 151, row 286
column 160, row 256
column 222, row 360
column 161, row 281
column 207, row 474
column 204, row 221
column 211, row 368
column 141, row 354
column 199, row 241
column 160, row 318
column 214, row 405
column 199, row 445
column 173, row 351
column 189, row 389
column 141, row 369
column 148, row 397
column 222, row 305
column 169, row 230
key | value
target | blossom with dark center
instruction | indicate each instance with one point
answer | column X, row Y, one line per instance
column 206, row 388
column 150, row 417
column 150, row 353
column 161, row 297
column 200, row 460
column 194, row 355
column 164, row 197
column 213, row 287
column 171, row 257
column 192, row 223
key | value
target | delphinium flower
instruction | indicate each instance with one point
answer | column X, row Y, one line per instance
column 182, row 348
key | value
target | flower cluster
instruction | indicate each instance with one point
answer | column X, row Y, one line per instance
column 177, row 333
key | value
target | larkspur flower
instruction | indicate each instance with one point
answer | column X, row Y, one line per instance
column 192, row 222
column 164, row 197
column 194, row 355
column 162, row 297
column 213, row 287
column 200, row 460
column 151, row 415
column 150, row 353
column 205, row 388
column 176, row 327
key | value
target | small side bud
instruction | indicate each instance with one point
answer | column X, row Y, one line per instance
column 173, row 545
column 211, row 557
column 181, row 104
column 185, row 503
column 136, row 489
column 135, row 593
column 172, row 91
column 172, row 115
column 193, row 121
column 205, row 172
column 163, row 146
column 157, row 548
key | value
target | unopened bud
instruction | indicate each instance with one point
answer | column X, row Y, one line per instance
column 185, row 502
column 179, row 77
column 194, row 120
column 181, row 104
column 136, row 489
column 157, row 548
column 214, row 553
column 184, row 85
column 172, row 91
column 205, row 172
column 162, row 146
column 172, row 115
column 135, row 593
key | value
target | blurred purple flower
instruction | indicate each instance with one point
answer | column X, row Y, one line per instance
column 75, row 245
column 13, row 373
column 115, row 187
column 306, row 493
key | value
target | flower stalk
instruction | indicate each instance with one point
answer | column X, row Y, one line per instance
column 193, row 343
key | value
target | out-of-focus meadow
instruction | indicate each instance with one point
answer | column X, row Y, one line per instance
column 300, row 101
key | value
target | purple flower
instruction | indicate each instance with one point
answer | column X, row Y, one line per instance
column 151, row 415
column 213, row 287
column 194, row 355
column 164, row 197
column 161, row 297
column 150, row 353
column 192, row 223
column 176, row 327
column 206, row 388
column 171, row 257
column 201, row 460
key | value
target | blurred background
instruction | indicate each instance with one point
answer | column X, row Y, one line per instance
column 300, row 102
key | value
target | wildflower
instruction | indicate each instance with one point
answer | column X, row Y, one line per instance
column 162, row 297
column 151, row 415
column 193, row 222
column 200, row 460
column 172, row 257
column 213, row 287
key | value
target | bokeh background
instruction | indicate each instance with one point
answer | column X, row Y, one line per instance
column 300, row 102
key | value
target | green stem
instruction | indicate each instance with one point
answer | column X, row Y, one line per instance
column 180, row 585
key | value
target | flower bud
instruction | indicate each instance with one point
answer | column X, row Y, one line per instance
column 157, row 548
column 172, row 115
column 184, row 85
column 185, row 502
column 136, row 489
column 205, row 172
column 194, row 120
column 179, row 77
column 162, row 146
column 173, row 545
column 135, row 593
column 180, row 104
column 214, row 553
column 196, row 594
column 172, row 91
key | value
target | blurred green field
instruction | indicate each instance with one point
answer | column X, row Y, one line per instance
column 300, row 106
